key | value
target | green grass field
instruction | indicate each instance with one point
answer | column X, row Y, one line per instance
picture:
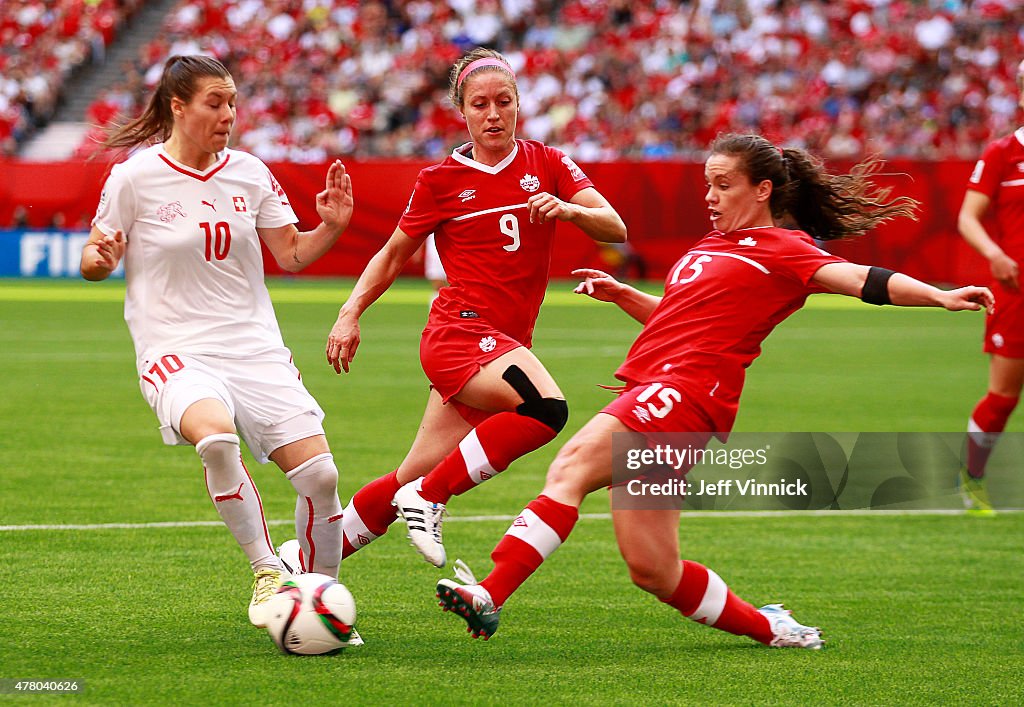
column 921, row 609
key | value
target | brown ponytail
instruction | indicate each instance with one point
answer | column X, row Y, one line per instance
column 825, row 206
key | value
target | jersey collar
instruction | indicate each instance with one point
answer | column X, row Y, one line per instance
column 458, row 156
column 202, row 176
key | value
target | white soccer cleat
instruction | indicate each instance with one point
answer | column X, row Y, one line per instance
column 265, row 584
column 355, row 640
column 289, row 554
column 788, row 633
column 423, row 520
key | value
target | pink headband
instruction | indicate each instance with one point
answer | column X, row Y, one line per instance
column 487, row 61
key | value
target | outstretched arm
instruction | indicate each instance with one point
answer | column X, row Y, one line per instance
column 377, row 277
column 294, row 250
column 602, row 286
column 903, row 290
column 588, row 209
column 1005, row 269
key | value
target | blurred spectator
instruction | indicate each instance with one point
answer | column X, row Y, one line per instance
column 42, row 43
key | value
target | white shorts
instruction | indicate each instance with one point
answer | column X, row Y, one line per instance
column 265, row 396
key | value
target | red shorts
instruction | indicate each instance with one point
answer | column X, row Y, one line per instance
column 452, row 354
column 664, row 414
column 1004, row 327
column 659, row 407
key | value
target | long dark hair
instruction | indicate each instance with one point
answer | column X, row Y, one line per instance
column 179, row 79
column 455, row 88
column 825, row 206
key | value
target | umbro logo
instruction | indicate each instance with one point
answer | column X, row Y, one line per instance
column 520, row 522
column 748, row 241
column 467, row 195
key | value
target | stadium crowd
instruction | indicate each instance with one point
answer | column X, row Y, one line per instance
column 605, row 79
column 42, row 44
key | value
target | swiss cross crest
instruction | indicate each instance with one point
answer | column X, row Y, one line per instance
column 240, row 205
column 529, row 183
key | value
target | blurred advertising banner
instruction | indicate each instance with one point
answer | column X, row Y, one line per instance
column 759, row 471
column 53, row 253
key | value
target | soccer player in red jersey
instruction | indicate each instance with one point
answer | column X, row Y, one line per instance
column 685, row 371
column 996, row 183
column 492, row 206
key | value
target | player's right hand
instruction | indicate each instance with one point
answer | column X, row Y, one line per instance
column 343, row 341
column 1006, row 272
column 597, row 284
column 111, row 250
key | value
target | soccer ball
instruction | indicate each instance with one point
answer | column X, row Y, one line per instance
column 311, row 614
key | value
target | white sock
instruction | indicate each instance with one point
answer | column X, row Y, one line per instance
column 236, row 499
column 318, row 514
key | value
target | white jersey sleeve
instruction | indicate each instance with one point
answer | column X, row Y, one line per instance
column 274, row 209
column 116, row 210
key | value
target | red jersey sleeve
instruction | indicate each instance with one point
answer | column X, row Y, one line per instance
column 421, row 215
column 568, row 176
column 985, row 177
column 802, row 258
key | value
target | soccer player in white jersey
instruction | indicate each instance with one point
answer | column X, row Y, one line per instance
column 187, row 215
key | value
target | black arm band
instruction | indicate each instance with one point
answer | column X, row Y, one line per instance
column 876, row 287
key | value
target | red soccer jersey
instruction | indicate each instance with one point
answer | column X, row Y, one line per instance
column 999, row 175
column 721, row 300
column 497, row 262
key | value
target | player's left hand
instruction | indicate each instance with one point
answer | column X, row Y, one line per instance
column 335, row 203
column 544, row 207
column 970, row 297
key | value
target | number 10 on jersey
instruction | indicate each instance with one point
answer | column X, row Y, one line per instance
column 218, row 240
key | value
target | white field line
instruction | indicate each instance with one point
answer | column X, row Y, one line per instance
column 508, row 518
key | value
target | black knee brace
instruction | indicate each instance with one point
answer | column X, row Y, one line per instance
column 553, row 412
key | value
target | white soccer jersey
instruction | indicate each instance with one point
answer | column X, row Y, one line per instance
column 193, row 263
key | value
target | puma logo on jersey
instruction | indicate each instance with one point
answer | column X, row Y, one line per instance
column 748, row 241
column 467, row 195
column 168, row 212
column 212, row 205
column 529, row 183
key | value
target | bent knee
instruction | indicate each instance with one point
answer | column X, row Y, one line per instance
column 319, row 473
column 653, row 577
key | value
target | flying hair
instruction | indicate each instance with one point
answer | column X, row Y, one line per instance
column 823, row 205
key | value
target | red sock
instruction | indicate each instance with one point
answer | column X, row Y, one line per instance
column 984, row 429
column 487, row 450
column 538, row 531
column 369, row 513
column 703, row 597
